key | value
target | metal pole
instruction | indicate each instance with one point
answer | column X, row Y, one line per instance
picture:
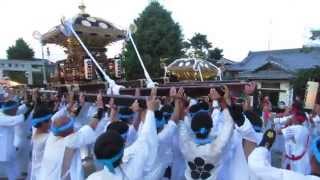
column 199, row 69
column 44, row 66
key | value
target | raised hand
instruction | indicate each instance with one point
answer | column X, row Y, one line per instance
column 213, row 94
column 82, row 99
column 227, row 96
column 135, row 106
column 250, row 88
column 152, row 103
column 99, row 101
column 172, row 92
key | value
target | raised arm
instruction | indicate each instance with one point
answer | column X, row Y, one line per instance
column 142, row 153
column 12, row 120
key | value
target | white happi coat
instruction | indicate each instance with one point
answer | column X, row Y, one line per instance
column 38, row 146
column 316, row 129
column 234, row 156
column 178, row 166
column 211, row 153
column 61, row 156
column 261, row 169
column 165, row 152
column 297, row 141
column 7, row 123
column 138, row 158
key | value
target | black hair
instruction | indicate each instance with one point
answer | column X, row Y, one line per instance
column 254, row 119
column 108, row 145
column 118, row 126
column 268, row 137
column 220, row 90
column 40, row 110
column 158, row 115
column 203, row 106
column 125, row 111
column 201, row 120
column 167, row 110
column 194, row 108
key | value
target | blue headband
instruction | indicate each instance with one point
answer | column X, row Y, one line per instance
column 200, row 111
column 202, row 141
column 125, row 117
column 124, row 135
column 257, row 128
column 6, row 108
column 57, row 130
column 109, row 162
column 160, row 123
column 202, row 131
column 315, row 149
column 35, row 121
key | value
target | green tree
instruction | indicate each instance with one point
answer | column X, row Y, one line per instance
column 199, row 45
column 215, row 54
column 21, row 50
column 157, row 36
column 303, row 76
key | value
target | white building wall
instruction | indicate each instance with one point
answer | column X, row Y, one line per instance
column 285, row 94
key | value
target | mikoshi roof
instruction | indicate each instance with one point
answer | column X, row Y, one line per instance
column 189, row 68
column 93, row 31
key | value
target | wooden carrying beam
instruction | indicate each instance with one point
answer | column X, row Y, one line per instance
column 192, row 89
column 119, row 100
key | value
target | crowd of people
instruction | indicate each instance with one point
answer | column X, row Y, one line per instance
column 217, row 137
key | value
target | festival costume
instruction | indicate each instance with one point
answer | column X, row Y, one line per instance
column 204, row 160
column 261, row 169
column 61, row 159
column 297, row 142
column 137, row 158
column 8, row 150
column 165, row 152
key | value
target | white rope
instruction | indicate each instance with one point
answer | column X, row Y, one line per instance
column 106, row 77
column 150, row 83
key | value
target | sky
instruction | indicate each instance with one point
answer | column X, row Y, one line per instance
column 236, row 26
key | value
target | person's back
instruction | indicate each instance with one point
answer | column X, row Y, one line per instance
column 131, row 162
column 203, row 155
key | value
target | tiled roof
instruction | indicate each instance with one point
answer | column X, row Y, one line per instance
column 291, row 59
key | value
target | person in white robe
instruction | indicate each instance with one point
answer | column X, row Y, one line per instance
column 22, row 139
column 61, row 158
column 297, row 142
column 203, row 153
column 315, row 157
column 260, row 164
column 244, row 135
column 166, row 132
column 8, row 120
column 41, row 122
column 129, row 163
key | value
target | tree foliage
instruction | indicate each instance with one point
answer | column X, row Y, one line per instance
column 303, row 76
column 157, row 37
column 21, row 50
column 215, row 54
column 199, row 47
